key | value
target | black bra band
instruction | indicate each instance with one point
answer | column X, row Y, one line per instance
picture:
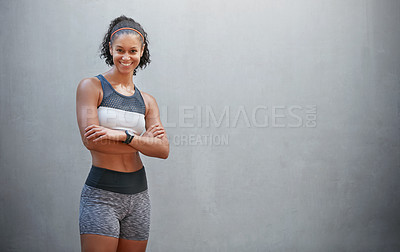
column 115, row 181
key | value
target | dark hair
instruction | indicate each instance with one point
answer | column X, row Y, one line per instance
column 116, row 24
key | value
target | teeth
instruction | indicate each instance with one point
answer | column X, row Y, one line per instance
column 126, row 64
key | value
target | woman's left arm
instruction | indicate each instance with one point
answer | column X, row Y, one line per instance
column 154, row 142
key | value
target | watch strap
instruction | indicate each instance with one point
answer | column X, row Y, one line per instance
column 129, row 137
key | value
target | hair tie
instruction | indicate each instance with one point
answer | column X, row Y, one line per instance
column 127, row 28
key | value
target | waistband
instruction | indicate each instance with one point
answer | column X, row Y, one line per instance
column 115, row 181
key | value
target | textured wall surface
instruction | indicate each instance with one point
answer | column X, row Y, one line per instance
column 283, row 119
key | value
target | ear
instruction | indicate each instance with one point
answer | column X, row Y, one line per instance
column 142, row 50
column 110, row 47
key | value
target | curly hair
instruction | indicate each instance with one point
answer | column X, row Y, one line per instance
column 116, row 24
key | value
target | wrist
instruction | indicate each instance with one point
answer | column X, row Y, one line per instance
column 121, row 136
column 129, row 135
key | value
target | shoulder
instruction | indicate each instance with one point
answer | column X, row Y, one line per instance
column 89, row 90
column 88, row 84
column 148, row 98
column 150, row 103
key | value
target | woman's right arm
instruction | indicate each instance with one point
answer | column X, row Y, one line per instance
column 86, row 112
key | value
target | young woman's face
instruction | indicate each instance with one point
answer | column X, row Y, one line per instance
column 126, row 51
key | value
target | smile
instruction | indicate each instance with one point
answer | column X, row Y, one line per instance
column 126, row 64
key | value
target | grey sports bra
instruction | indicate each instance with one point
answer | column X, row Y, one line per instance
column 121, row 112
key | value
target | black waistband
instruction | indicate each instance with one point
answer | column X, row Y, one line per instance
column 115, row 181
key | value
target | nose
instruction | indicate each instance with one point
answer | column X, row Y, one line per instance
column 125, row 57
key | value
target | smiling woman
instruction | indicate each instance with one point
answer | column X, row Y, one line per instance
column 112, row 114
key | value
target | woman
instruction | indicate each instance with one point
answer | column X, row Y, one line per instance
column 112, row 114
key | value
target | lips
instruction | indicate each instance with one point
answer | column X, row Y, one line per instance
column 125, row 64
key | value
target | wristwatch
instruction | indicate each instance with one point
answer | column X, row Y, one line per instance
column 129, row 136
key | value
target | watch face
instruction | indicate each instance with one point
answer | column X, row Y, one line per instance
column 131, row 132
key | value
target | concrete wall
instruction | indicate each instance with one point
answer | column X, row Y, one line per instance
column 303, row 153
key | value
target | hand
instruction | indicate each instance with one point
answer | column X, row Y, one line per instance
column 155, row 131
column 97, row 133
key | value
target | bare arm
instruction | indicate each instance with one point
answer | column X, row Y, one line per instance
column 155, row 143
column 87, row 95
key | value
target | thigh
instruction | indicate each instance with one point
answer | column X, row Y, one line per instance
column 131, row 245
column 98, row 243
column 136, row 224
column 99, row 212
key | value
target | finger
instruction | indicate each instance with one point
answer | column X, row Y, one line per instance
column 160, row 136
column 96, row 135
column 156, row 126
column 91, row 131
column 100, row 135
column 158, row 132
column 160, row 129
column 90, row 127
column 151, row 127
column 157, row 129
column 99, row 138
column 89, row 134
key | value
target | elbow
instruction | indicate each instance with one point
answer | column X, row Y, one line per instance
column 165, row 153
column 88, row 144
column 89, row 147
column 165, row 156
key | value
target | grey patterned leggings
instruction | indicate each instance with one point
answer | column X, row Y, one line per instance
column 125, row 216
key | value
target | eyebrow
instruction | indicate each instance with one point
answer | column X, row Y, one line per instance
column 123, row 47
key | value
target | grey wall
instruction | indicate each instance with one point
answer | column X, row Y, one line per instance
column 311, row 161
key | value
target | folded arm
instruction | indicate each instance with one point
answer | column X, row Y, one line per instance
column 87, row 96
column 154, row 142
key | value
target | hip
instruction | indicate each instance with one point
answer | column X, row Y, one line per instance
column 116, row 181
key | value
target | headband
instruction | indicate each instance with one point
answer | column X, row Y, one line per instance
column 127, row 28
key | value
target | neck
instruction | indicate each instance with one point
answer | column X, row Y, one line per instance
column 123, row 79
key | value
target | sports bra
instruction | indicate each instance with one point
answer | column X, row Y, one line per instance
column 121, row 112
